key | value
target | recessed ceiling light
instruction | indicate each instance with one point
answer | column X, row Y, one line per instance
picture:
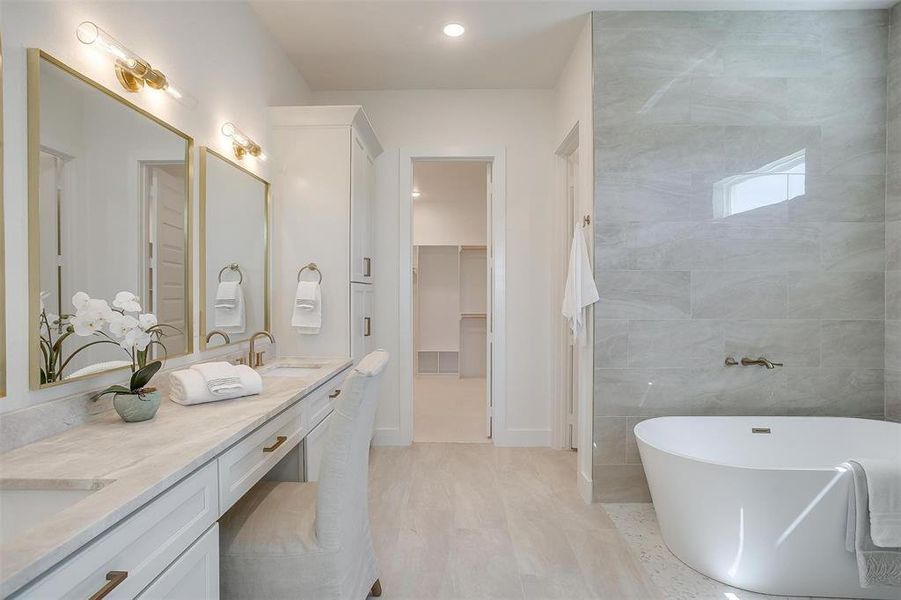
column 416, row 194
column 454, row 30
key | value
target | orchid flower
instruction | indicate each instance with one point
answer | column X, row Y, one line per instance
column 127, row 302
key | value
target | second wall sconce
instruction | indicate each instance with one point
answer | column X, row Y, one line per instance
column 241, row 143
column 132, row 71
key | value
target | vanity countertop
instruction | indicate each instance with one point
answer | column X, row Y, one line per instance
column 132, row 463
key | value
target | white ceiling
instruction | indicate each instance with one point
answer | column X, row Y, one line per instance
column 388, row 44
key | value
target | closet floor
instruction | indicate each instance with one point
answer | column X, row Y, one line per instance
column 449, row 409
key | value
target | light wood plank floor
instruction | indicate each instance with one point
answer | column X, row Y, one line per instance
column 450, row 409
column 471, row 521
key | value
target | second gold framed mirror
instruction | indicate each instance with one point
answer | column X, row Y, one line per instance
column 234, row 251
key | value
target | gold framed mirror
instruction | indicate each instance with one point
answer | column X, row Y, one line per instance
column 109, row 228
column 234, row 251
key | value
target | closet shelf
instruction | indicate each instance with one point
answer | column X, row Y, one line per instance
column 473, row 315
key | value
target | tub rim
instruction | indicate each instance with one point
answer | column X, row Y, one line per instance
column 837, row 467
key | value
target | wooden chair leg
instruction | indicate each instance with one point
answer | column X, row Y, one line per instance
column 376, row 589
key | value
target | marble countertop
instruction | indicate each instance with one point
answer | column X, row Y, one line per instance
column 131, row 463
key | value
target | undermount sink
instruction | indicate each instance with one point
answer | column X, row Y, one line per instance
column 293, row 371
column 24, row 505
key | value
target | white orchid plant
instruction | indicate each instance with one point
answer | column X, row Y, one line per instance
column 122, row 324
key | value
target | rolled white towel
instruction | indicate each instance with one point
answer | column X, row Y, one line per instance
column 221, row 378
column 187, row 386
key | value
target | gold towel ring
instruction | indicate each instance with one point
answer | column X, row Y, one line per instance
column 311, row 267
column 232, row 267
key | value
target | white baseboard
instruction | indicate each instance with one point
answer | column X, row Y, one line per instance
column 586, row 488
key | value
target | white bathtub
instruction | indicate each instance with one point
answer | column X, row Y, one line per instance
column 762, row 511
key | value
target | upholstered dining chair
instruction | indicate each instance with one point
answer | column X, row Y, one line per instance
column 311, row 540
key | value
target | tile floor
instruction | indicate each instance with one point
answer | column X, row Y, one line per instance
column 449, row 409
column 473, row 522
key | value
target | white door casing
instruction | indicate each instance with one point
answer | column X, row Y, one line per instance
column 496, row 268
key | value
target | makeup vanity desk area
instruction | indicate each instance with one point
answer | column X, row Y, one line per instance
column 131, row 509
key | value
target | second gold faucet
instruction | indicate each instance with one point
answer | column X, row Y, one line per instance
column 255, row 359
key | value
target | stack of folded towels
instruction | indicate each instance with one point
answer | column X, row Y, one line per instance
column 213, row 381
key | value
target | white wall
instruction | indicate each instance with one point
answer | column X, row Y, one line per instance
column 573, row 105
column 453, row 209
column 227, row 63
column 523, row 122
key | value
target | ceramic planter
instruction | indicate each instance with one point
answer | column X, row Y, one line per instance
column 134, row 408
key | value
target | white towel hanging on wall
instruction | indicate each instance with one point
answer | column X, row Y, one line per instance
column 580, row 291
column 307, row 311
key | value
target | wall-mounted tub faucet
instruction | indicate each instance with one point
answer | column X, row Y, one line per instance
column 759, row 361
column 745, row 361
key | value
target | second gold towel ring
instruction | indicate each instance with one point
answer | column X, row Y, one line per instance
column 232, row 267
column 311, row 267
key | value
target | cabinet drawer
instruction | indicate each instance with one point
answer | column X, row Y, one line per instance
column 131, row 554
column 319, row 404
column 194, row 576
column 245, row 463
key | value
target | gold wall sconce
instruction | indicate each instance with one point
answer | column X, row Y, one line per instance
column 132, row 71
column 241, row 143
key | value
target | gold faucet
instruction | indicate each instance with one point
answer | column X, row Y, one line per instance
column 760, row 361
column 255, row 359
column 214, row 332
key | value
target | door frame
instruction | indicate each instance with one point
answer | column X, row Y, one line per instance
column 496, row 155
column 576, row 139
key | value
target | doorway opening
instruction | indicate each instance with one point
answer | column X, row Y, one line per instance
column 451, row 296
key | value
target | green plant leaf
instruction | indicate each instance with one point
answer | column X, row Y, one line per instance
column 113, row 389
column 142, row 376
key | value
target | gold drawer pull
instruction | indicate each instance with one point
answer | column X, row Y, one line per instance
column 113, row 579
column 278, row 442
column 334, row 394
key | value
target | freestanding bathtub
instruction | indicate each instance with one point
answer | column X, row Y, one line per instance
column 760, row 503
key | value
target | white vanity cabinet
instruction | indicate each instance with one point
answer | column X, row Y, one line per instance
column 323, row 193
column 169, row 547
column 194, row 575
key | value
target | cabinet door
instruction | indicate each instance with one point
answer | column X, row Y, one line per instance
column 313, row 447
column 361, row 326
column 362, row 189
column 193, row 576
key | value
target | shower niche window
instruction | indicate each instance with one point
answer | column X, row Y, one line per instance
column 773, row 183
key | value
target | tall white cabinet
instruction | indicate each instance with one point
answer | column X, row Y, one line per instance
column 323, row 191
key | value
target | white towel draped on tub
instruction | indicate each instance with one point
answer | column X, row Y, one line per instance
column 189, row 387
column 229, row 309
column 581, row 291
column 874, row 521
column 307, row 313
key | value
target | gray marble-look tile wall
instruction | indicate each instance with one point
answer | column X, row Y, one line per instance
column 893, row 224
column 740, row 209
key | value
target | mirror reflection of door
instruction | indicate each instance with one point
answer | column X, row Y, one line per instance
column 164, row 231
column 52, row 192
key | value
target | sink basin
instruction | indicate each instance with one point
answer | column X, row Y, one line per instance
column 25, row 505
column 292, row 371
